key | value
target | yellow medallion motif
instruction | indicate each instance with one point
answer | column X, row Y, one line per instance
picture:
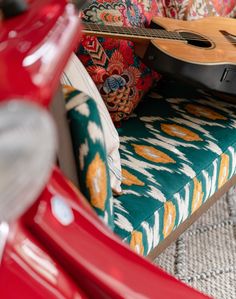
column 224, row 170
column 150, row 153
column 129, row 179
column 136, row 242
column 169, row 218
column 96, row 182
column 203, row 111
column 197, row 195
column 180, row 132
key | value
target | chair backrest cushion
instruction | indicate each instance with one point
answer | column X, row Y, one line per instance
column 76, row 75
column 90, row 152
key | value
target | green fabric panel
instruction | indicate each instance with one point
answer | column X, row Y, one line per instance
column 176, row 152
column 90, row 153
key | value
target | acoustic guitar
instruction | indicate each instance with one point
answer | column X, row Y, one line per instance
column 201, row 51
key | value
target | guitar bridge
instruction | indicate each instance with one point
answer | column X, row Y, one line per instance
column 230, row 37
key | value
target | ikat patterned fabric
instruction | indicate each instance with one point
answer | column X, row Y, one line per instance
column 176, row 152
column 90, row 153
column 77, row 76
column 119, row 74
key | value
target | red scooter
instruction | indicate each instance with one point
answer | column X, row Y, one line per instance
column 52, row 245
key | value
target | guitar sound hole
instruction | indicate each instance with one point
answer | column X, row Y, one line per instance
column 196, row 40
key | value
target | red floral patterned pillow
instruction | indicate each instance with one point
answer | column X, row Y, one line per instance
column 119, row 74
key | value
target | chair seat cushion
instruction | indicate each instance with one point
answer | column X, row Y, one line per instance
column 176, row 152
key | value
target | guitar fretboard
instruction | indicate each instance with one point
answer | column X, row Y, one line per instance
column 143, row 33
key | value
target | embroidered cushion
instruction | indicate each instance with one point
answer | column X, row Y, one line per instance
column 119, row 74
column 176, row 153
column 76, row 75
column 194, row 9
column 90, row 152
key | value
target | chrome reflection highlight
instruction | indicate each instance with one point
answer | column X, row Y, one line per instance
column 27, row 153
column 4, row 230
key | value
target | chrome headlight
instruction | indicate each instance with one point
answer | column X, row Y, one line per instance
column 27, row 154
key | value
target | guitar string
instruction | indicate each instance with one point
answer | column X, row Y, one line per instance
column 170, row 38
column 132, row 31
column 150, row 33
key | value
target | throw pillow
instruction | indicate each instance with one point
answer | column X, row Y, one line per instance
column 121, row 77
column 90, row 152
column 194, row 9
column 76, row 75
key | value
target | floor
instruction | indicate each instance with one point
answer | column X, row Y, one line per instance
column 205, row 255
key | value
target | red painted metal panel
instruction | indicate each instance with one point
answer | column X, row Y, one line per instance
column 92, row 254
column 27, row 271
column 34, row 48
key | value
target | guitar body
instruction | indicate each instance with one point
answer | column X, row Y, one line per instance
column 206, row 57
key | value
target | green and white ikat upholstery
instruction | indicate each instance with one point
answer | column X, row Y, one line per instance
column 90, row 153
column 176, row 152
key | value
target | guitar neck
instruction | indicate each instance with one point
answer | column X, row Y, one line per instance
column 133, row 34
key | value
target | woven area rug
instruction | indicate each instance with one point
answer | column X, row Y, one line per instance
column 205, row 255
